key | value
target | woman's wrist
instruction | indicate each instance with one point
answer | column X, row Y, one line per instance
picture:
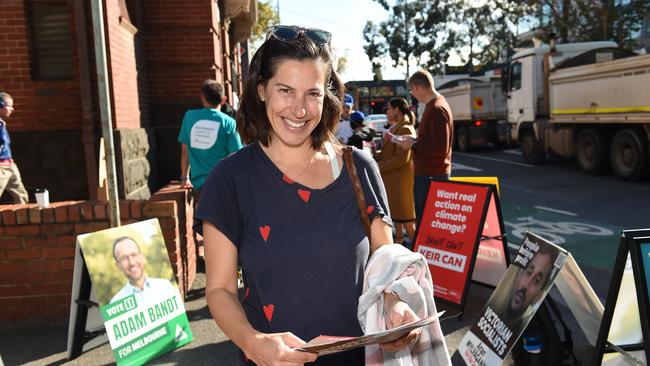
column 249, row 339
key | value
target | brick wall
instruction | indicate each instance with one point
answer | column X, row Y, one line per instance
column 37, row 248
column 40, row 105
column 181, row 50
column 123, row 69
column 53, row 160
column 183, row 47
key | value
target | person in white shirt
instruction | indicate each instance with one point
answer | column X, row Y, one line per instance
column 130, row 260
column 344, row 130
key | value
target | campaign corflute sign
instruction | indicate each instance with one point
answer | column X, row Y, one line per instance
column 138, row 298
column 513, row 303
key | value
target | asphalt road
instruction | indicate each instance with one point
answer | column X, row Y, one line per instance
column 584, row 214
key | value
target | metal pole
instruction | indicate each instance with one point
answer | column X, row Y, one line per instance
column 105, row 110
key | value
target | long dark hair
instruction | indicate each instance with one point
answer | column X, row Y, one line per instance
column 403, row 106
column 252, row 122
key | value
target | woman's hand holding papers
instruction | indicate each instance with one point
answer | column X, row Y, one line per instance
column 277, row 349
column 399, row 313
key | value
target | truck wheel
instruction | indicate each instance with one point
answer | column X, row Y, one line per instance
column 629, row 155
column 463, row 138
column 531, row 148
column 591, row 150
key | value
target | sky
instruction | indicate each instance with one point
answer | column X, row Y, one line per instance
column 345, row 19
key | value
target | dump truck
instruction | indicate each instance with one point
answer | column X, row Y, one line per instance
column 479, row 109
column 587, row 101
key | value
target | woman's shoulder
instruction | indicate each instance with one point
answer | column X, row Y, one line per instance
column 238, row 161
column 362, row 157
column 245, row 153
column 405, row 130
column 233, row 170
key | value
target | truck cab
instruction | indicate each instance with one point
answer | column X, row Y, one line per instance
column 526, row 88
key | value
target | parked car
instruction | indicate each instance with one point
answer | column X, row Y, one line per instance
column 377, row 121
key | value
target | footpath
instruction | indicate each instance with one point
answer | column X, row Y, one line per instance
column 45, row 344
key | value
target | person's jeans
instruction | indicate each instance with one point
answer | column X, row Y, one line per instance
column 420, row 190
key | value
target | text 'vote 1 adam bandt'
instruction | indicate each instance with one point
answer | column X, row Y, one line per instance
column 513, row 303
column 135, row 288
column 461, row 234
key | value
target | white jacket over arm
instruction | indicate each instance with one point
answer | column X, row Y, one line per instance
column 393, row 268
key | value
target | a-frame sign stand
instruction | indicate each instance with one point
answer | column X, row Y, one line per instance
column 636, row 244
column 84, row 331
column 83, row 303
column 462, row 237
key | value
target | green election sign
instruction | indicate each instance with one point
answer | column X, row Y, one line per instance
column 136, row 291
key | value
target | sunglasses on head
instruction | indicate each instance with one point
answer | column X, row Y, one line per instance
column 288, row 33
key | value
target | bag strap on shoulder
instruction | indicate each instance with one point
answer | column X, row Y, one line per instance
column 358, row 190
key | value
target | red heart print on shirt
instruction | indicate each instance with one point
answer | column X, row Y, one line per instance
column 287, row 179
column 268, row 311
column 304, row 194
column 265, row 231
column 370, row 209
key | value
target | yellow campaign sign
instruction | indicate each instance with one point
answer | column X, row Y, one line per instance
column 484, row 180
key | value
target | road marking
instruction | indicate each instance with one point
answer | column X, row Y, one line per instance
column 513, row 246
column 494, row 159
column 556, row 211
column 554, row 232
column 512, row 151
column 456, row 166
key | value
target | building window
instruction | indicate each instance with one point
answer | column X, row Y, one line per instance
column 50, row 40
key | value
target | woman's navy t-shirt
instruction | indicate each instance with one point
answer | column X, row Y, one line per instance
column 303, row 251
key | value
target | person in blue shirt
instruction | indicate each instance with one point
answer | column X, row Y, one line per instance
column 9, row 174
column 207, row 135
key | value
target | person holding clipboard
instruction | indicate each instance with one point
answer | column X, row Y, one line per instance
column 396, row 167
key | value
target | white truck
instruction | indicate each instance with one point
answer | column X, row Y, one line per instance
column 588, row 101
column 479, row 109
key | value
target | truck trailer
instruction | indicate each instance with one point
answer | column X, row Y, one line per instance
column 479, row 110
column 587, row 101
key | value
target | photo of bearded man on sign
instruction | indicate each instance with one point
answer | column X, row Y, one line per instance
column 525, row 289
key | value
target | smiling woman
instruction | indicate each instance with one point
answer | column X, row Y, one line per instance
column 283, row 209
column 294, row 104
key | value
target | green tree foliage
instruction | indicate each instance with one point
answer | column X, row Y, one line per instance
column 592, row 20
column 487, row 30
column 414, row 31
column 267, row 16
column 374, row 48
column 429, row 31
column 341, row 64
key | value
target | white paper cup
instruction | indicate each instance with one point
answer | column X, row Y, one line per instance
column 42, row 198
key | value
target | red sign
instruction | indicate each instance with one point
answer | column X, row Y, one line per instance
column 491, row 263
column 448, row 235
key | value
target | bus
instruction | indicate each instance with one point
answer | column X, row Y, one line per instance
column 371, row 97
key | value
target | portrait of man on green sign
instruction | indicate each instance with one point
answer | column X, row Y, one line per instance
column 131, row 262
